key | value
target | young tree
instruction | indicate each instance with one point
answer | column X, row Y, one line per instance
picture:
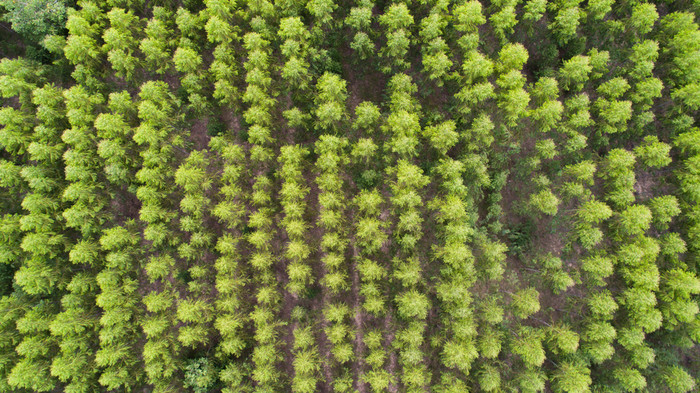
column 330, row 101
column 396, row 20
column 545, row 202
column 566, row 23
column 653, row 153
column 525, row 302
column 642, row 19
column 574, row 72
column 572, row 378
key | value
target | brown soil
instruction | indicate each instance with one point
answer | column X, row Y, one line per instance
column 359, row 321
column 392, row 364
column 651, row 183
column 199, row 134
column 362, row 85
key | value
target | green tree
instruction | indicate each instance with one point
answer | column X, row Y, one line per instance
column 572, row 378
column 566, row 23
column 397, row 19
column 545, row 202
column 678, row 380
column 322, row 11
column 563, row 339
column 525, row 302
column 643, row 18
column 512, row 57
column 574, row 72
column 489, row 378
column 534, row 10
column 630, row 379
column 504, row 21
column 653, row 153
column 634, row 220
column 597, row 9
column 527, row 344
column 35, row 19
column 200, row 375
column 412, row 304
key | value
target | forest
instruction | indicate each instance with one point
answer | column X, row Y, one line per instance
column 351, row 196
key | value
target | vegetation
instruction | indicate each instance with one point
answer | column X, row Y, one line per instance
column 281, row 196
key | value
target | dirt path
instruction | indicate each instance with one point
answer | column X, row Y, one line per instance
column 393, row 364
column 359, row 320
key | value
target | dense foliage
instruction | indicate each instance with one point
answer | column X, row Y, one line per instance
column 365, row 196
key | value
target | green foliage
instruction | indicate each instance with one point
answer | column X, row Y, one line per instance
column 525, row 303
column 36, row 19
column 575, row 72
column 413, row 305
column 200, row 375
column 653, row 153
column 572, row 378
column 544, row 202
column 678, row 380
column 489, row 379
column 271, row 196
column 528, row 345
column 634, row 220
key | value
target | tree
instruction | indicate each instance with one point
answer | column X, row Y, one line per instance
column 531, row 381
column 598, row 267
column 514, row 103
column 653, row 153
column 200, row 375
column 534, row 10
column 363, row 45
column 512, row 57
column 574, row 72
column 565, row 24
column 489, row 378
column 321, row 10
column 442, row 136
column 678, row 380
column 548, row 114
column 545, row 202
column 437, row 66
column 360, row 18
column 503, row 21
column 35, row 19
column 397, row 20
column 560, row 281
column 378, row 380
column 619, row 176
column 643, row 18
column 630, row 379
column 31, row 374
column 157, row 46
column 332, row 93
column 528, row 345
column 468, row 16
column 634, row 220
column 563, row 339
column 597, row 9
column 572, row 378
column 615, row 113
column 525, row 302
column 186, row 60
column 490, row 343
column 413, row 304
column 366, row 116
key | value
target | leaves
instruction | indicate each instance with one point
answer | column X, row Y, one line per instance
column 525, row 302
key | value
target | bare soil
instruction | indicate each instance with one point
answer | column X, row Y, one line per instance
column 199, row 134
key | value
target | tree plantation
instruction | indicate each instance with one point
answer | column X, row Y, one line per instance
column 351, row 196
